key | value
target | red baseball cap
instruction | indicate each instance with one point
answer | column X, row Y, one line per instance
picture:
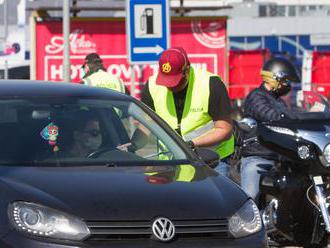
column 172, row 64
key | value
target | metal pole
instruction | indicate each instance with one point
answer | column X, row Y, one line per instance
column 74, row 5
column 132, row 89
column 280, row 43
column 132, row 81
column 6, row 69
column 5, row 22
column 66, row 47
column 5, row 18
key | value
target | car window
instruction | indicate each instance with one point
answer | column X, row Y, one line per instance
column 86, row 131
column 148, row 147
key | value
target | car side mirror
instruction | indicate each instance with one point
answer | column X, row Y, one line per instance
column 210, row 157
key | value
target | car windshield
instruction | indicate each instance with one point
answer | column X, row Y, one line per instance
column 78, row 131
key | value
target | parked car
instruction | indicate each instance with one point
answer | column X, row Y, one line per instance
column 91, row 167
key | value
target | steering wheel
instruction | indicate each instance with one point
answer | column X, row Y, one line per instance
column 97, row 153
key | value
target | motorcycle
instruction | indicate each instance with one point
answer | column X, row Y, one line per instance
column 295, row 195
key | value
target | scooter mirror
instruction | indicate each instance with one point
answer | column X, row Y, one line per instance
column 247, row 124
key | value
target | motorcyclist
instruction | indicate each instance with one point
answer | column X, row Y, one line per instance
column 265, row 104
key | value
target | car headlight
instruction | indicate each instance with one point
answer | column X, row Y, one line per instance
column 326, row 153
column 245, row 221
column 42, row 221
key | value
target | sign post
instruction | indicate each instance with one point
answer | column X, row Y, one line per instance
column 147, row 29
column 66, row 39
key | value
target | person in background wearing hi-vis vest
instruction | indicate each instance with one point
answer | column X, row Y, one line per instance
column 96, row 75
column 193, row 102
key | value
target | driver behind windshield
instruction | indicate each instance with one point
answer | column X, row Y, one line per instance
column 87, row 136
column 265, row 104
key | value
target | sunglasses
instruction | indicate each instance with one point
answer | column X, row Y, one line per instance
column 93, row 132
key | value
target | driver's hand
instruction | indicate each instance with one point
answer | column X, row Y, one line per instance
column 124, row 147
column 128, row 147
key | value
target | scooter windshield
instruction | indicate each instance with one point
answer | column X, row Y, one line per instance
column 309, row 105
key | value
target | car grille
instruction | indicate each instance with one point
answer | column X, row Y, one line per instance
column 184, row 229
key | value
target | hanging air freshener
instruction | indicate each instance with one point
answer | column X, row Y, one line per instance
column 50, row 133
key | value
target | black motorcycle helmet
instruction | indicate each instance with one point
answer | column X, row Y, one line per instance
column 279, row 73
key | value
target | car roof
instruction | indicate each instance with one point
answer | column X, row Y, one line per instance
column 34, row 88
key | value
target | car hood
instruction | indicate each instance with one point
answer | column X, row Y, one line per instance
column 126, row 193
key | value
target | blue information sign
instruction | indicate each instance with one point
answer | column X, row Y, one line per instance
column 147, row 27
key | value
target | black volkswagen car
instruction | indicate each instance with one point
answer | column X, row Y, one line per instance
column 90, row 167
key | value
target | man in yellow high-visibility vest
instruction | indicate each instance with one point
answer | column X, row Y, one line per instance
column 96, row 75
column 193, row 102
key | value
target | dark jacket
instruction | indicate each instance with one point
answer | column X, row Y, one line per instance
column 262, row 105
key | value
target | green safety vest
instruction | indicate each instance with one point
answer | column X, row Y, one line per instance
column 104, row 79
column 195, row 118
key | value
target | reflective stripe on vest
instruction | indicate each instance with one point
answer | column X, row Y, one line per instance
column 225, row 148
column 104, row 80
column 199, row 131
column 195, row 117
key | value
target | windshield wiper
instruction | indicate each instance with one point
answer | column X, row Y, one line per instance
column 77, row 164
column 57, row 163
column 16, row 163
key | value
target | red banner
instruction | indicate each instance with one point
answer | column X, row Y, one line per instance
column 321, row 72
column 244, row 72
column 203, row 39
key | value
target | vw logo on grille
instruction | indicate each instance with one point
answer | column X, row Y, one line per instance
column 163, row 229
